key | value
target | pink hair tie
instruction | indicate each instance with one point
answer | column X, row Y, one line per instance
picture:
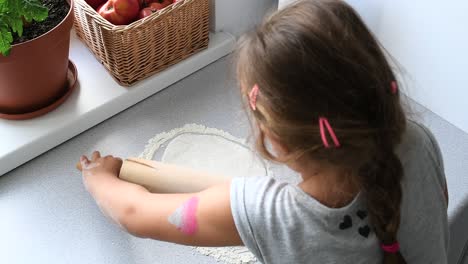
column 392, row 249
column 253, row 97
column 323, row 122
column 394, row 87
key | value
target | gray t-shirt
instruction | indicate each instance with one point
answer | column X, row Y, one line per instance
column 280, row 223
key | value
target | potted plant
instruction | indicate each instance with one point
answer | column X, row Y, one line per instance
column 35, row 73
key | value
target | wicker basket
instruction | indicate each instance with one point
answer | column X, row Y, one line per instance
column 147, row 46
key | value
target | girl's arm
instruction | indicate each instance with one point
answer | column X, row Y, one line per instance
column 202, row 219
column 159, row 177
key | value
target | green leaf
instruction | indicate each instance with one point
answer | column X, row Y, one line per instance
column 16, row 25
column 6, row 38
column 3, row 6
column 34, row 9
column 12, row 16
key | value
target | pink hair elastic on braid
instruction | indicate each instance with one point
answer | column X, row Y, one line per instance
column 253, row 97
column 394, row 87
column 323, row 122
column 392, row 249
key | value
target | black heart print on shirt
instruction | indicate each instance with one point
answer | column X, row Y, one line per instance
column 364, row 231
column 347, row 222
column 361, row 214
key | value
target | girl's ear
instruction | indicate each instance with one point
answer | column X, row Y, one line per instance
column 279, row 148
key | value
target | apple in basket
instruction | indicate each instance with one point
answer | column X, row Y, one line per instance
column 153, row 8
column 159, row 4
column 95, row 3
column 120, row 12
column 147, row 11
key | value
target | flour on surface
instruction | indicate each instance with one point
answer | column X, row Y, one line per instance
column 216, row 151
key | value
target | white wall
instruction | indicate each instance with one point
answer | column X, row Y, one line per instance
column 238, row 16
column 430, row 40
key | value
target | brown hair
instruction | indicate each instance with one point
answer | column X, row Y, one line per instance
column 318, row 59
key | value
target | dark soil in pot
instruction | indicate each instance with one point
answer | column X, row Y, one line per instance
column 58, row 9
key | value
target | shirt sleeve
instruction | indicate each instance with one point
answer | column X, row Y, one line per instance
column 436, row 156
column 246, row 206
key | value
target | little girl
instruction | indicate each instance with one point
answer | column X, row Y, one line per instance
column 323, row 94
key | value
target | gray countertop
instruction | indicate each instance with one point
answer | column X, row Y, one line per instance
column 46, row 215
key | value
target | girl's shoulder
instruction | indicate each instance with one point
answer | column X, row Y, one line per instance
column 420, row 153
column 419, row 139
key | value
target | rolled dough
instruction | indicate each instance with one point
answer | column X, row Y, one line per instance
column 215, row 151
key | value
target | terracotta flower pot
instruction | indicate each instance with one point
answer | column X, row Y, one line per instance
column 34, row 75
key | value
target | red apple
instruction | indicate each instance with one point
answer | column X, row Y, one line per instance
column 168, row 2
column 120, row 12
column 156, row 5
column 95, row 3
column 147, row 11
column 160, row 4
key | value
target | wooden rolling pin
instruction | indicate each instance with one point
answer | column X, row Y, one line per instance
column 160, row 177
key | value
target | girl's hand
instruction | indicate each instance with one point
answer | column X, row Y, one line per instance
column 99, row 170
column 113, row 196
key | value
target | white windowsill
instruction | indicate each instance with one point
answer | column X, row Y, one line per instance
column 97, row 98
